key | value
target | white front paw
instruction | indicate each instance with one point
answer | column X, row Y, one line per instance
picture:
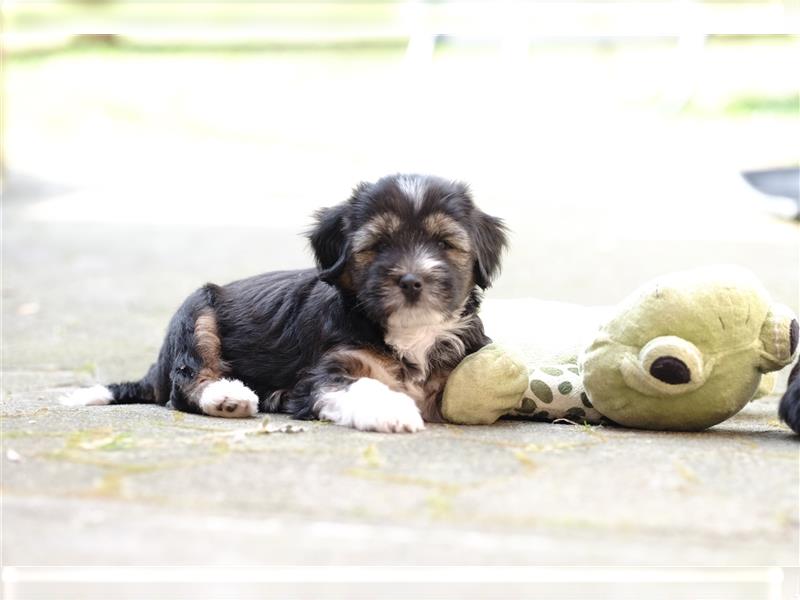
column 228, row 398
column 369, row 405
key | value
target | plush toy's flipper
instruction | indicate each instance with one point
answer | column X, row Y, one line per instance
column 556, row 392
column 484, row 387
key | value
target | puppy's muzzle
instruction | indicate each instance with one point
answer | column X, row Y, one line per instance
column 411, row 286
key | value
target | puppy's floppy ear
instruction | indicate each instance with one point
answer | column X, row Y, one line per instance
column 329, row 241
column 490, row 240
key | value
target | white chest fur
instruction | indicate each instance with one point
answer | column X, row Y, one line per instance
column 413, row 333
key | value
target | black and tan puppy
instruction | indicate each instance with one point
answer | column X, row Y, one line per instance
column 365, row 340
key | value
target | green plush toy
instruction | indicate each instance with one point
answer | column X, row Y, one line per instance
column 683, row 352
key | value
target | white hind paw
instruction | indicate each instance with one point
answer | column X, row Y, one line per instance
column 97, row 395
column 228, row 398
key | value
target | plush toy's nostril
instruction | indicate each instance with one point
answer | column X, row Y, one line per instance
column 670, row 370
column 794, row 334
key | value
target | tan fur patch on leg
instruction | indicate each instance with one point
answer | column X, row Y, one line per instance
column 366, row 363
column 216, row 395
column 209, row 347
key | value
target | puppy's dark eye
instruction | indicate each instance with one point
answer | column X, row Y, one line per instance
column 379, row 246
column 444, row 245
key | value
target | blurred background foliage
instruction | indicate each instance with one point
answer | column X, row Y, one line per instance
column 176, row 65
column 161, row 112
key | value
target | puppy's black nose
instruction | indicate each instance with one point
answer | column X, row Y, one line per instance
column 411, row 286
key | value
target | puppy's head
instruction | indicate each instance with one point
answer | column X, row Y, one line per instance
column 408, row 246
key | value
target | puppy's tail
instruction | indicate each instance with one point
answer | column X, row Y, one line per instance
column 789, row 409
column 129, row 392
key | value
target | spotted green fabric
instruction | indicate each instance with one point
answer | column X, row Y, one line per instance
column 494, row 382
column 556, row 392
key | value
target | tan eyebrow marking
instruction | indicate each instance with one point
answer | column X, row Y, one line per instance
column 380, row 225
column 440, row 225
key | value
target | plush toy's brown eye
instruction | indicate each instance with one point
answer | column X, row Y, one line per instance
column 794, row 334
column 670, row 370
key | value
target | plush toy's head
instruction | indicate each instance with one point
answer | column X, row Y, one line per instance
column 687, row 351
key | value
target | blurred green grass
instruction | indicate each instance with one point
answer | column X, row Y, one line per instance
column 186, row 13
column 355, row 107
column 788, row 105
column 741, row 75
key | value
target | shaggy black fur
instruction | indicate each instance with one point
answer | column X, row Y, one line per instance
column 789, row 409
column 279, row 330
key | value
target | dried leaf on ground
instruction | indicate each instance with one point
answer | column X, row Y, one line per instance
column 286, row 428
